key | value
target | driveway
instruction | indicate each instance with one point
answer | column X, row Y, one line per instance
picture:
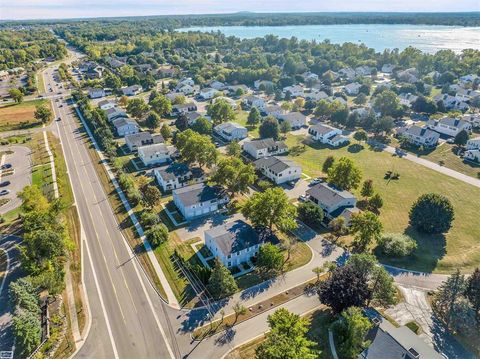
column 299, row 189
column 21, row 163
column 197, row 227
column 416, row 308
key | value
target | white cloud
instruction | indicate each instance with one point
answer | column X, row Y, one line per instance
column 28, row 9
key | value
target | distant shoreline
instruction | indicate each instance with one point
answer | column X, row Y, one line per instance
column 464, row 19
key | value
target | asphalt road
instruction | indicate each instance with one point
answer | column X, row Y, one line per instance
column 22, row 164
column 127, row 320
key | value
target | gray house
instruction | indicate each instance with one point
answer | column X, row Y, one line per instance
column 199, row 200
column 235, row 242
column 178, row 175
column 140, row 139
column 279, row 170
column 264, row 148
column 332, row 200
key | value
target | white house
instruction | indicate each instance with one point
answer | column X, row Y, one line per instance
column 388, row 68
column 473, row 118
column 254, row 101
column 332, row 200
column 273, row 110
column 185, row 89
column 295, row 91
column 115, row 113
column 328, row 135
column 363, row 70
column 178, row 175
column 264, row 148
column 473, row 144
column 316, row 95
column 449, row 126
column 352, row 89
column 228, row 100
column 409, row 75
column 208, row 93
column 155, row 154
column 96, row 93
column 199, row 200
column 217, row 85
column 231, row 131
column 183, row 108
column 235, row 242
column 125, row 126
column 347, row 73
column 185, row 81
column 279, row 170
column 407, row 99
column 421, row 136
column 132, row 90
column 309, row 76
column 295, row 119
column 107, row 104
column 469, row 78
column 140, row 139
column 472, row 155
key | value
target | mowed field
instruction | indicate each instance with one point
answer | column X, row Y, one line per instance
column 459, row 248
column 18, row 116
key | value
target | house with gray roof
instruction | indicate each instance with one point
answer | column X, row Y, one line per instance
column 178, row 175
column 114, row 113
column 332, row 200
column 328, row 135
column 199, row 200
column 295, row 119
column 132, row 90
column 235, row 242
column 420, row 136
column 388, row 341
column 125, row 126
column 449, row 126
column 279, row 170
column 156, row 154
column 107, row 104
column 231, row 131
column 140, row 139
column 183, row 108
column 266, row 147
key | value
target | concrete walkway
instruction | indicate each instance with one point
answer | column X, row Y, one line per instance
column 436, row 167
column 172, row 300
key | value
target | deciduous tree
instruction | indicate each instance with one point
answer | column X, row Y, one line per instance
column 432, row 213
column 344, row 174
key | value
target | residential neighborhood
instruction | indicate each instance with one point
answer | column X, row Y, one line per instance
column 170, row 192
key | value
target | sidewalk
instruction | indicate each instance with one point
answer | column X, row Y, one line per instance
column 322, row 250
column 171, row 299
column 436, row 167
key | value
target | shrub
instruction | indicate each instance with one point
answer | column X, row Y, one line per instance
column 157, row 234
column 310, row 214
column 397, row 245
column 149, row 218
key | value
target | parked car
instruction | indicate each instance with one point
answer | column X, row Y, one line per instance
column 303, row 198
column 4, row 183
column 6, row 166
column 59, row 119
column 451, row 141
column 4, row 192
column 315, row 181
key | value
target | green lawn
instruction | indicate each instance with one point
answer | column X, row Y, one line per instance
column 320, row 321
column 459, row 248
column 241, row 118
column 444, row 153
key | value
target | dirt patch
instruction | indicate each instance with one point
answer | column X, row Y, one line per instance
column 19, row 116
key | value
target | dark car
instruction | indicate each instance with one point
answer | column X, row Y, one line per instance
column 4, row 192
column 4, row 183
column 6, row 166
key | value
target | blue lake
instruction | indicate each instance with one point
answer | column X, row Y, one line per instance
column 424, row 37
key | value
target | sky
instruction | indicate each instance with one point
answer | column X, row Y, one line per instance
column 56, row 9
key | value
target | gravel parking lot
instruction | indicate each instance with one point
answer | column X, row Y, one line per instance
column 22, row 176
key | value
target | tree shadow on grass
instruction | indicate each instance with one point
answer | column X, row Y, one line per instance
column 431, row 248
column 355, row 148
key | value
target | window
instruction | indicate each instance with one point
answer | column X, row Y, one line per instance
column 229, row 256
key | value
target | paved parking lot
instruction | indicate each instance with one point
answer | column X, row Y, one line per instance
column 299, row 189
column 22, row 164
column 197, row 227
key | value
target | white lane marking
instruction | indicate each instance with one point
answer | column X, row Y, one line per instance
column 6, row 269
column 100, row 295
column 129, row 250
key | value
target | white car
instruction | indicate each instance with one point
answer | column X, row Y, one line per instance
column 4, row 192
